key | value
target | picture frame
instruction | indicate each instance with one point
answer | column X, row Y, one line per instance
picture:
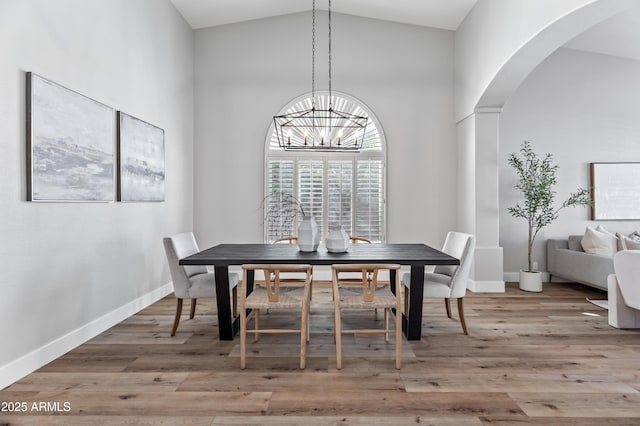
column 70, row 149
column 615, row 191
column 141, row 161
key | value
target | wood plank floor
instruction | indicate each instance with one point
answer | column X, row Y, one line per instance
column 530, row 359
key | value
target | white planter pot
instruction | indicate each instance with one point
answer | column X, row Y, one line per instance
column 308, row 234
column 531, row 281
column 337, row 240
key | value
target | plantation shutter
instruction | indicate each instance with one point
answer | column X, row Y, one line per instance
column 339, row 194
column 281, row 179
column 310, row 189
column 369, row 202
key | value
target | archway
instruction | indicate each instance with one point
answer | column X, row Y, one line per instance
column 478, row 136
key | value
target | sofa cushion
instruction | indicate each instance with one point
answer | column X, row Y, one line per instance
column 599, row 242
column 575, row 242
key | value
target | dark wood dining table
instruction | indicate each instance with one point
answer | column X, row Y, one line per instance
column 221, row 256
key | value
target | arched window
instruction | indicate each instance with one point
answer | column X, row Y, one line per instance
column 337, row 188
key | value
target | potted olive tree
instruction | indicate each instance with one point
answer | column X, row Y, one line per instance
column 536, row 181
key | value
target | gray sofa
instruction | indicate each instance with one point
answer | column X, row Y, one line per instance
column 566, row 259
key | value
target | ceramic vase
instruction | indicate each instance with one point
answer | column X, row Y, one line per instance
column 337, row 240
column 308, row 234
column 531, row 281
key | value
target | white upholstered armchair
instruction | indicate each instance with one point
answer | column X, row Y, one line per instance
column 191, row 282
column 448, row 282
column 624, row 290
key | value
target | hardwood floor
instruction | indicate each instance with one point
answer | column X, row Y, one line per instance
column 530, row 359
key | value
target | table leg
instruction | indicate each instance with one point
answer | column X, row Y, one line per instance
column 250, row 281
column 392, row 280
column 227, row 327
column 412, row 326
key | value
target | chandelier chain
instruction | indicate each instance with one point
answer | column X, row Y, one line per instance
column 322, row 129
column 313, row 56
column 330, row 97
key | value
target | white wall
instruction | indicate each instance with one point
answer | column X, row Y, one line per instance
column 582, row 108
column 71, row 269
column 466, row 175
column 506, row 39
column 246, row 72
column 497, row 46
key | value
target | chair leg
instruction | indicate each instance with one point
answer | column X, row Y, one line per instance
column 337, row 331
column 398, row 336
column 256, row 319
column 308, row 322
column 447, row 307
column 176, row 321
column 461, row 313
column 304, row 334
column 386, row 324
column 193, row 308
column 243, row 336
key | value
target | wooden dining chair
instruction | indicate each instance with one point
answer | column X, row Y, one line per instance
column 294, row 278
column 274, row 296
column 356, row 278
column 290, row 239
column 368, row 296
column 357, row 240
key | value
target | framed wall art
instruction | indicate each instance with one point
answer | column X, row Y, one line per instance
column 70, row 149
column 140, row 160
column 615, row 191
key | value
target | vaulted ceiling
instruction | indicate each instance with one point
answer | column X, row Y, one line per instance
column 446, row 14
column 618, row 36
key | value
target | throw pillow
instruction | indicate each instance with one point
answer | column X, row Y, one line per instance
column 633, row 245
column 622, row 245
column 635, row 235
column 601, row 243
column 629, row 243
column 600, row 228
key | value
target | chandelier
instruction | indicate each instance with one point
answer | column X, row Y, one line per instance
column 321, row 128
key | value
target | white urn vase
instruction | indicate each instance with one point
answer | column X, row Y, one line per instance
column 531, row 281
column 308, row 234
column 337, row 240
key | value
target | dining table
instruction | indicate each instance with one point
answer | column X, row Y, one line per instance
column 414, row 255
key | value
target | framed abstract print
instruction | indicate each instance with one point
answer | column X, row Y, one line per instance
column 70, row 149
column 140, row 160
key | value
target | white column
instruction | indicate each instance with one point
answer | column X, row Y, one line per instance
column 478, row 200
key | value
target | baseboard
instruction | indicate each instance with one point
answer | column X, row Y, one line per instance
column 515, row 277
column 486, row 286
column 30, row 362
